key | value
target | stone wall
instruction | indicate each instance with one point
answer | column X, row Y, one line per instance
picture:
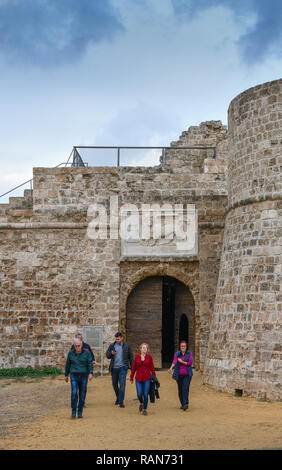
column 51, row 286
column 19, row 209
column 55, row 278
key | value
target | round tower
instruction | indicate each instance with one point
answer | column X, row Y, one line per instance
column 245, row 344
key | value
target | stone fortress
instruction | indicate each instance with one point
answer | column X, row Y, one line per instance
column 223, row 294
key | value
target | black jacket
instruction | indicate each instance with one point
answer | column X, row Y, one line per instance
column 154, row 392
column 126, row 352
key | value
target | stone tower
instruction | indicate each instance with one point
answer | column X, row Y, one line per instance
column 244, row 351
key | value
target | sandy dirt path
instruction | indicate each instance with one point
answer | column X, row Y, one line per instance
column 37, row 416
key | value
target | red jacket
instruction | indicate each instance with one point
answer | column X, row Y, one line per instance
column 144, row 369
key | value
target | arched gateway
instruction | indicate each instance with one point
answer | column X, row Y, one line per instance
column 160, row 310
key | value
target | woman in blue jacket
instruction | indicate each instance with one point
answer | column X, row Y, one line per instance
column 182, row 364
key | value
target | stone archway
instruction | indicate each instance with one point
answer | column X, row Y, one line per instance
column 154, row 308
column 133, row 272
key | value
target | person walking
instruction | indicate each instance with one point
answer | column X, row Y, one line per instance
column 88, row 348
column 79, row 365
column 84, row 346
column 182, row 364
column 143, row 365
column 120, row 355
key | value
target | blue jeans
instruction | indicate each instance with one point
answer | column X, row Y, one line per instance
column 183, row 383
column 78, row 391
column 119, row 381
column 143, row 389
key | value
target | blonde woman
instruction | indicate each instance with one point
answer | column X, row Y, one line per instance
column 143, row 365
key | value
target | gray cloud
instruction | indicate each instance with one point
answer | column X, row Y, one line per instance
column 262, row 39
column 266, row 37
column 53, row 32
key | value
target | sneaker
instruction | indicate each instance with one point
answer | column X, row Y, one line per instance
column 79, row 415
column 141, row 407
column 121, row 405
column 145, row 412
column 116, row 402
column 185, row 407
column 73, row 415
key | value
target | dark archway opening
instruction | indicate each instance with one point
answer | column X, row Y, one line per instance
column 168, row 320
column 160, row 311
column 184, row 328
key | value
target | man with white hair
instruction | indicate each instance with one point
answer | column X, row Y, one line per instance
column 79, row 365
column 85, row 346
column 88, row 348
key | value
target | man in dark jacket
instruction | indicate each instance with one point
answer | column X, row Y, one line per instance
column 87, row 348
column 120, row 354
column 84, row 346
column 79, row 365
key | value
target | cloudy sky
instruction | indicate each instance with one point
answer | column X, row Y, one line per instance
column 123, row 72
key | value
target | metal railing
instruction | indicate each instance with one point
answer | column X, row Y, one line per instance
column 77, row 160
column 118, row 149
column 31, row 181
column 19, row 186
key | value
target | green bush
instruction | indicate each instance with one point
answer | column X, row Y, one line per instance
column 29, row 372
